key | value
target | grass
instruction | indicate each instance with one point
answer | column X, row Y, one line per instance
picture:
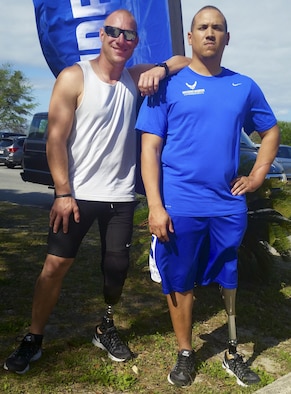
column 71, row 364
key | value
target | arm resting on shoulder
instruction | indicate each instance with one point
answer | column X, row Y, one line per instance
column 148, row 76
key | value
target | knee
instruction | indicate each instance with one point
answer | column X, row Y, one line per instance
column 115, row 272
column 115, row 267
column 56, row 267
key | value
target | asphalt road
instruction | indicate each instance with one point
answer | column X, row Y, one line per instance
column 13, row 189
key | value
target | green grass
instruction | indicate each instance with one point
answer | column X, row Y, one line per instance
column 71, row 364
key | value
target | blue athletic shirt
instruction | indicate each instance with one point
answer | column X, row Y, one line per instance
column 200, row 119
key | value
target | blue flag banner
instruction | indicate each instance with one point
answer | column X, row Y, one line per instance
column 68, row 30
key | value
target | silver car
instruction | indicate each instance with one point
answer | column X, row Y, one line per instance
column 284, row 158
column 11, row 151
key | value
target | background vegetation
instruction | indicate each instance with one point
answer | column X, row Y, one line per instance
column 285, row 130
column 71, row 364
column 16, row 99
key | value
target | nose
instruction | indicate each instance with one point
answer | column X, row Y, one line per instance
column 210, row 32
column 121, row 39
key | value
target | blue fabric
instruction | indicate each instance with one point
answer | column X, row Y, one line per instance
column 69, row 30
column 201, row 251
column 200, row 119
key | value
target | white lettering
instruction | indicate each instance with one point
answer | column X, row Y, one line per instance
column 83, row 32
column 94, row 8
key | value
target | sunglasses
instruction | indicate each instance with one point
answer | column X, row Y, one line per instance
column 129, row 35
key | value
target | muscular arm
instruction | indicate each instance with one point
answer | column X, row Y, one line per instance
column 62, row 107
column 159, row 221
column 265, row 157
column 147, row 77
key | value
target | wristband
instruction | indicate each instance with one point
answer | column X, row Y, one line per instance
column 165, row 66
column 63, row 195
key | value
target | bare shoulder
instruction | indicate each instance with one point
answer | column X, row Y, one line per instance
column 71, row 73
column 68, row 88
column 70, row 80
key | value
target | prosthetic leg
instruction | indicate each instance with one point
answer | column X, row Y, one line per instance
column 107, row 338
column 107, row 320
column 114, row 270
column 233, row 362
column 228, row 296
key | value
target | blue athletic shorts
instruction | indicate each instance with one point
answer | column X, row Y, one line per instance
column 201, row 251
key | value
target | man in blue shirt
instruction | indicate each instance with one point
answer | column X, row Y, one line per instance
column 196, row 198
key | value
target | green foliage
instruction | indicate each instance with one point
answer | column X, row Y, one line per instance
column 105, row 375
column 285, row 130
column 16, row 100
column 269, row 224
column 70, row 364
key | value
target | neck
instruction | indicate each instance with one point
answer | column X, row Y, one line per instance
column 107, row 72
column 207, row 67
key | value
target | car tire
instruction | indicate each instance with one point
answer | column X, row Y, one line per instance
column 10, row 165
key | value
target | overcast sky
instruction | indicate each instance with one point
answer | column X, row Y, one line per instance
column 260, row 46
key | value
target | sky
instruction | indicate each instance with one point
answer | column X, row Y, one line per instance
column 260, row 46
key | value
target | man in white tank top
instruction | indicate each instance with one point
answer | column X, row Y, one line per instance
column 91, row 155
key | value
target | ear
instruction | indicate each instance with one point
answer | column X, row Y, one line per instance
column 101, row 34
column 227, row 38
column 189, row 37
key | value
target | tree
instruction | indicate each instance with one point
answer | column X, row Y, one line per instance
column 16, row 99
column 285, row 129
column 285, row 132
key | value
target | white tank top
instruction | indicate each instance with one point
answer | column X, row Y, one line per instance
column 102, row 143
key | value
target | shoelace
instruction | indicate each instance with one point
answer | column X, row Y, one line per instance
column 26, row 349
column 183, row 364
column 240, row 367
column 114, row 338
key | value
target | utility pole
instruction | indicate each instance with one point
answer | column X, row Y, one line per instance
column 176, row 23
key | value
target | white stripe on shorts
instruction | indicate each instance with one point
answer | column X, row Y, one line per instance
column 155, row 275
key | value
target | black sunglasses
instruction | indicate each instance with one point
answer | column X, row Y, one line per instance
column 129, row 35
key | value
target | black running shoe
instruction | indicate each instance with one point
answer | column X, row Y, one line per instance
column 182, row 374
column 235, row 366
column 110, row 341
column 28, row 351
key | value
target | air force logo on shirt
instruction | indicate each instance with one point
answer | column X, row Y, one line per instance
column 192, row 89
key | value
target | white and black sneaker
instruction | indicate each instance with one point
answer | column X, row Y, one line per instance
column 110, row 341
column 182, row 374
column 235, row 366
column 29, row 350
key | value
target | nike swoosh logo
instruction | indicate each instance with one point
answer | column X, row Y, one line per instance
column 236, row 84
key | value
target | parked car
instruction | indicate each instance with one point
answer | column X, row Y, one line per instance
column 284, row 158
column 14, row 153
column 248, row 153
column 5, row 134
column 11, row 151
column 35, row 166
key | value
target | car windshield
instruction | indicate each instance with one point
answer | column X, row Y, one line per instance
column 5, row 142
column 245, row 140
column 284, row 152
